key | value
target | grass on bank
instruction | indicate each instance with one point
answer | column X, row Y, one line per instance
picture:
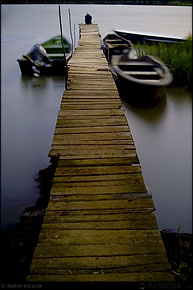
column 178, row 58
column 178, row 3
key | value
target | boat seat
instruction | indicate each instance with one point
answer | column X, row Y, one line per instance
column 141, row 73
column 136, row 63
column 115, row 42
column 115, row 45
column 55, row 55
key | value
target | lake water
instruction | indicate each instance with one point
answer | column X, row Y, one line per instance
column 29, row 107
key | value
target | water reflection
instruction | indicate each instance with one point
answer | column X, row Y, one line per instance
column 28, row 123
column 42, row 81
column 29, row 81
column 179, row 95
column 162, row 134
column 150, row 108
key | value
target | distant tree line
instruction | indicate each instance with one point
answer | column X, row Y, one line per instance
column 127, row 2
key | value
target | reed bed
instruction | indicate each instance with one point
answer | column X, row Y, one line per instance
column 178, row 57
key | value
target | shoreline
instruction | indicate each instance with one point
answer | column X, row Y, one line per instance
column 105, row 2
column 18, row 244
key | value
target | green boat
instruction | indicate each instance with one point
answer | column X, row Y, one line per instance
column 47, row 58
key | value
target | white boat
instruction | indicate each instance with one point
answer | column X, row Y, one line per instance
column 147, row 37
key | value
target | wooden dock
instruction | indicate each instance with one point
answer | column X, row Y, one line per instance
column 99, row 223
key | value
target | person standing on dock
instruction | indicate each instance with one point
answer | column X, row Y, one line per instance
column 88, row 18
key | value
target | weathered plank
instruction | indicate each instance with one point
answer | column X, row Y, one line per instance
column 64, row 154
column 89, row 107
column 131, row 216
column 102, row 204
column 98, row 162
column 101, row 129
column 101, row 112
column 90, row 123
column 81, row 237
column 135, row 178
column 60, row 189
column 107, row 225
column 96, row 136
column 90, row 197
column 91, row 178
column 53, row 265
column 100, row 250
column 98, row 276
column 96, row 170
column 82, row 148
column 75, row 142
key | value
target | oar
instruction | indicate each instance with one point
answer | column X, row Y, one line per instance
column 63, row 43
column 70, row 29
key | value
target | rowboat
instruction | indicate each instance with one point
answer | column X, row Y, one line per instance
column 146, row 72
column 113, row 44
column 47, row 58
column 135, row 37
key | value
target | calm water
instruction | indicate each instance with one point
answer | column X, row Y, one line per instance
column 162, row 132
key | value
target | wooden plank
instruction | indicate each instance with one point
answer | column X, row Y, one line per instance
column 100, row 250
column 101, row 112
column 52, row 265
column 151, row 267
column 92, row 178
column 131, row 188
column 96, row 170
column 86, row 154
column 130, row 197
column 92, row 84
column 64, row 154
column 95, row 136
column 84, row 86
column 90, row 96
column 102, row 204
column 59, row 189
column 92, row 148
column 98, row 276
column 89, row 102
column 102, row 129
column 98, row 92
column 90, row 123
column 63, row 141
column 82, row 237
column 93, row 212
column 81, row 148
column 98, row 162
column 89, row 107
column 107, row 225
column 88, row 82
column 133, row 157
column 132, row 217
column 90, row 145
column 135, row 178
column 84, row 117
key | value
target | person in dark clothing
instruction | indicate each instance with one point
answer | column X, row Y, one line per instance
column 88, row 19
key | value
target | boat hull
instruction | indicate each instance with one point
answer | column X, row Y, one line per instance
column 54, row 50
column 132, row 89
column 147, row 38
column 139, row 78
column 56, row 68
column 114, row 45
